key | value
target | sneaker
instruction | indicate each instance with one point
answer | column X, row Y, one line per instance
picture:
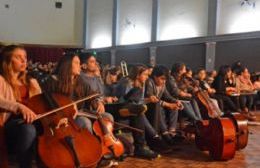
column 178, row 138
column 159, row 145
column 168, row 138
column 146, row 153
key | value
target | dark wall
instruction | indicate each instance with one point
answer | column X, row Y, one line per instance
column 104, row 57
column 192, row 55
column 133, row 56
column 247, row 51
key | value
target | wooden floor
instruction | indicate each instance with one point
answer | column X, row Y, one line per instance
column 188, row 156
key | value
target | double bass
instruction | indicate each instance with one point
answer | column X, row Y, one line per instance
column 242, row 132
column 62, row 143
column 216, row 135
column 239, row 121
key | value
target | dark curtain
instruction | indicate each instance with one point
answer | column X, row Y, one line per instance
column 44, row 55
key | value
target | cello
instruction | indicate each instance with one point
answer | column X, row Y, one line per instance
column 63, row 144
column 203, row 97
column 110, row 144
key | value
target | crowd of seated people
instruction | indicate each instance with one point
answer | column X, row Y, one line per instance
column 152, row 99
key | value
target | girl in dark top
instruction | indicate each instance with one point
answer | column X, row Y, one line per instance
column 223, row 85
column 111, row 81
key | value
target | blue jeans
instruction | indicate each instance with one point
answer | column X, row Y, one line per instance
column 190, row 111
column 21, row 140
column 84, row 122
column 171, row 118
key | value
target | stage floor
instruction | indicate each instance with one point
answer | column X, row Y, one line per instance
column 188, row 156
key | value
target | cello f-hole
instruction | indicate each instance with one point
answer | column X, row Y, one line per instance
column 229, row 141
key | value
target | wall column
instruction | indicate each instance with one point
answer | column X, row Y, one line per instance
column 210, row 55
column 153, row 53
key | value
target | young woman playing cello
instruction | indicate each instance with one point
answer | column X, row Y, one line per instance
column 66, row 80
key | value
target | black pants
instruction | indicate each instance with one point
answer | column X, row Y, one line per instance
column 21, row 140
column 226, row 104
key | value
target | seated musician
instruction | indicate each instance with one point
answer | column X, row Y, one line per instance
column 244, row 85
column 96, row 84
column 66, row 80
column 16, row 88
column 92, row 75
column 223, row 86
column 137, row 122
column 111, row 80
column 163, row 104
column 256, row 83
column 185, row 91
column 130, row 92
column 92, row 78
column 174, row 90
column 211, row 75
column 201, row 77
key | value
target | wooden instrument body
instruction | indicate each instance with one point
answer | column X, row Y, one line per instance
column 218, row 136
column 212, row 111
column 110, row 144
column 59, row 128
column 241, row 125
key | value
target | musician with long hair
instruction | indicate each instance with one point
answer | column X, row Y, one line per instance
column 16, row 89
column 66, row 80
column 222, row 84
column 180, row 86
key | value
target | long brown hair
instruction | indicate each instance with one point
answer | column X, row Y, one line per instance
column 6, row 68
column 135, row 71
column 65, row 84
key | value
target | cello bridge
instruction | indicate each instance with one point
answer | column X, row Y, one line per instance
column 62, row 122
